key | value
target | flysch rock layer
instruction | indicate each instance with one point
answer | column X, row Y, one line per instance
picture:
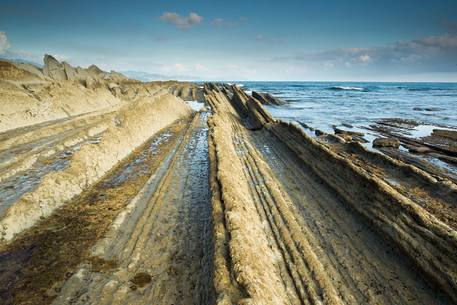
column 54, row 104
column 292, row 269
column 267, row 99
column 133, row 125
column 33, row 95
column 246, row 210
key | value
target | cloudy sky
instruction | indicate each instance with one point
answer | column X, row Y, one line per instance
column 390, row 40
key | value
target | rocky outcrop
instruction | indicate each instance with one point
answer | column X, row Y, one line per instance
column 267, row 99
column 53, row 68
column 133, row 125
column 252, row 203
column 31, row 95
column 386, row 142
column 19, row 72
column 70, row 72
column 250, row 109
column 379, row 190
column 94, row 70
column 186, row 91
column 296, row 219
column 58, row 71
column 451, row 134
column 349, row 135
column 348, row 132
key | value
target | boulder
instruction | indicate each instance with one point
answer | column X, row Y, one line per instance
column 450, row 134
column 386, row 142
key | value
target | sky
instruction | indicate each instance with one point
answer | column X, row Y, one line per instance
column 327, row 40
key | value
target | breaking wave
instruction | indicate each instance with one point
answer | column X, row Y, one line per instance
column 344, row 88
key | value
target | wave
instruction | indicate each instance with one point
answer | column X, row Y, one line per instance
column 344, row 88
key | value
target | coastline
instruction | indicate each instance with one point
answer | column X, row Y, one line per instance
column 245, row 208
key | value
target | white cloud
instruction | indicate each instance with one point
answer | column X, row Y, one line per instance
column 428, row 54
column 7, row 52
column 182, row 22
column 4, row 44
column 365, row 58
column 444, row 41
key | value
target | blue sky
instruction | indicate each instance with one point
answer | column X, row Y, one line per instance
column 244, row 40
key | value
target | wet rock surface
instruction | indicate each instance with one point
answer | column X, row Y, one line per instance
column 159, row 204
column 267, row 99
column 451, row 134
column 386, row 142
column 280, row 171
column 50, row 252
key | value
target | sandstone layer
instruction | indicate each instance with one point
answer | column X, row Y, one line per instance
column 116, row 192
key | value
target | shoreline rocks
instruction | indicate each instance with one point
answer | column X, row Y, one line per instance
column 267, row 99
column 450, row 134
column 386, row 142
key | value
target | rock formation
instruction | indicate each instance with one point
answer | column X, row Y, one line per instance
column 386, row 142
column 53, row 68
column 114, row 190
column 267, row 99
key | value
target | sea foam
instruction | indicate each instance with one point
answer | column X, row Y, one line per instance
column 343, row 88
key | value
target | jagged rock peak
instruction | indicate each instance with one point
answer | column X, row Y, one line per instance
column 95, row 69
column 64, row 71
column 53, row 68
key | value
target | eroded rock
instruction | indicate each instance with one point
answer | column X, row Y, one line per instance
column 386, row 142
column 451, row 134
column 53, row 68
column 348, row 132
column 267, row 99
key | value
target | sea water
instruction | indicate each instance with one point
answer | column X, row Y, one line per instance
column 324, row 104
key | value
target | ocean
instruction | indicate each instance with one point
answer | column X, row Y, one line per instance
column 324, row 104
